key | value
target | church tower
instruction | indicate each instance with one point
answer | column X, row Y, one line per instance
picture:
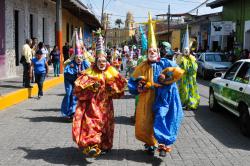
column 129, row 22
column 129, row 25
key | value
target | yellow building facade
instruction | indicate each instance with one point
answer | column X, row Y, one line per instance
column 175, row 37
column 69, row 22
column 116, row 36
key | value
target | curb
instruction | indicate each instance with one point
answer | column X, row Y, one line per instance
column 18, row 96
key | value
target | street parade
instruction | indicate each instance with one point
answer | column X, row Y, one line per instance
column 144, row 89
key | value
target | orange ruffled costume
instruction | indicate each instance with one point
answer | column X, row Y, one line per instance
column 93, row 122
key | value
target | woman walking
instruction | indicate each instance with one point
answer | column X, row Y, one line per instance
column 55, row 57
column 40, row 66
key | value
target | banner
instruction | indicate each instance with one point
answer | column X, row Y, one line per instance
column 221, row 28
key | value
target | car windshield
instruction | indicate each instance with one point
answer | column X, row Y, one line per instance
column 216, row 58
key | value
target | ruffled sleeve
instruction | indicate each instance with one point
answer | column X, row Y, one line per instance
column 87, row 85
column 115, row 83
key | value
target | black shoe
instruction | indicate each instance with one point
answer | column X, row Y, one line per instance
column 29, row 86
column 105, row 151
column 150, row 150
column 162, row 153
column 39, row 97
column 92, row 152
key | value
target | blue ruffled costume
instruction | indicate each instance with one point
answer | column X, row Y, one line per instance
column 70, row 75
column 166, row 106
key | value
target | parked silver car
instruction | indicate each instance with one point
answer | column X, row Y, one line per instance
column 211, row 62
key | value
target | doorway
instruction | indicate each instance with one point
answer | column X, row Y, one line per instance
column 247, row 40
column 16, row 35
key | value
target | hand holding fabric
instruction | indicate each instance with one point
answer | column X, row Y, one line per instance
column 170, row 75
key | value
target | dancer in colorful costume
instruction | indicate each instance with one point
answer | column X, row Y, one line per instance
column 159, row 111
column 71, row 72
column 93, row 123
column 188, row 86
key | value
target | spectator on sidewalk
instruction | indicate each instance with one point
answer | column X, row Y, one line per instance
column 55, row 59
column 245, row 54
column 40, row 66
column 66, row 51
column 34, row 46
column 44, row 50
column 26, row 61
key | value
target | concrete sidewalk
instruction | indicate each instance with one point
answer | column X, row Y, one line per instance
column 12, row 91
column 16, row 83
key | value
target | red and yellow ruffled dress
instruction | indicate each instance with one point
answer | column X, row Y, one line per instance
column 93, row 122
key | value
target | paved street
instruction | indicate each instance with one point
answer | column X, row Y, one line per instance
column 33, row 134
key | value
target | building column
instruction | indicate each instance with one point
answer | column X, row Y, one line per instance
column 59, row 31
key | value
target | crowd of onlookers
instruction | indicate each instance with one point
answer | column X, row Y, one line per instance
column 36, row 57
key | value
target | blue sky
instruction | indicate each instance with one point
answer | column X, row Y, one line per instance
column 140, row 8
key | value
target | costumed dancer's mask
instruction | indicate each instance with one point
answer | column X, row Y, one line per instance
column 186, row 51
column 153, row 55
column 101, row 63
column 78, row 59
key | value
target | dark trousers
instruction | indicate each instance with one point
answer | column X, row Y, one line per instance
column 26, row 74
column 39, row 80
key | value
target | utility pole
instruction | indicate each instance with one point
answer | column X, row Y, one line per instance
column 102, row 12
column 168, row 22
column 59, row 30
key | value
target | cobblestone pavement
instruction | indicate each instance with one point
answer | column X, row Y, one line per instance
column 34, row 134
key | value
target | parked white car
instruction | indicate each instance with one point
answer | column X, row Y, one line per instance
column 211, row 62
column 232, row 92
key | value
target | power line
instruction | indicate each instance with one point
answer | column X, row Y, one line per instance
column 203, row 3
column 107, row 5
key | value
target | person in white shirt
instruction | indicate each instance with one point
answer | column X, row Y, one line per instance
column 26, row 61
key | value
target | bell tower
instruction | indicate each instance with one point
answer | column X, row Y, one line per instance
column 129, row 22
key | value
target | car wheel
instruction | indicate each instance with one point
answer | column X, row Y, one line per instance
column 204, row 75
column 244, row 121
column 213, row 104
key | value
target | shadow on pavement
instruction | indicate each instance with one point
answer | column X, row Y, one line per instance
column 124, row 120
column 133, row 155
column 46, row 110
column 19, row 81
column 223, row 126
column 11, row 86
column 65, row 156
column 48, row 119
column 203, row 82
column 128, row 96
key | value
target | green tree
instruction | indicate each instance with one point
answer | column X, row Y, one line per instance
column 109, row 44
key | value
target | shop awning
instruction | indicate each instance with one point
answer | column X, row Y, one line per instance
column 217, row 3
column 78, row 9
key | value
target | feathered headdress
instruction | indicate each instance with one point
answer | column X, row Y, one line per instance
column 144, row 41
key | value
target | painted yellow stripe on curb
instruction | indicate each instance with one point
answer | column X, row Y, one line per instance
column 23, row 94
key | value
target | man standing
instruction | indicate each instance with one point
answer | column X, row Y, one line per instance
column 66, row 51
column 27, row 53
